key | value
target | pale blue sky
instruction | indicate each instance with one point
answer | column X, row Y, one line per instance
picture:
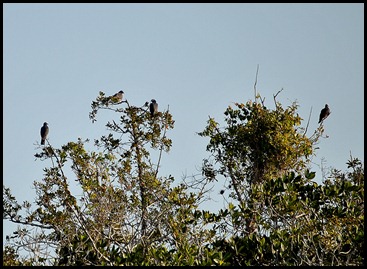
column 196, row 58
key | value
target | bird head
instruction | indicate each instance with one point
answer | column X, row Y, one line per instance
column 45, row 124
column 121, row 91
column 153, row 100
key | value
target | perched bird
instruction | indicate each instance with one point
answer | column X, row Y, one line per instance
column 44, row 133
column 325, row 112
column 117, row 97
column 153, row 107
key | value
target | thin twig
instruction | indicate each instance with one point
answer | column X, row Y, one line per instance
column 12, row 219
column 257, row 71
column 262, row 101
column 308, row 121
column 161, row 149
column 275, row 96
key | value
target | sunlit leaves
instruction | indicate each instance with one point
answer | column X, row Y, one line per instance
column 260, row 142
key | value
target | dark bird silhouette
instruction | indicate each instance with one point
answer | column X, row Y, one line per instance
column 325, row 112
column 153, row 107
column 44, row 133
column 117, row 97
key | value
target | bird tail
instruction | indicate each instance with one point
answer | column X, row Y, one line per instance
column 42, row 141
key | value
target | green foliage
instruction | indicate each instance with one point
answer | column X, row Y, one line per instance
column 281, row 218
column 11, row 258
column 301, row 223
column 257, row 143
column 121, row 207
column 111, row 206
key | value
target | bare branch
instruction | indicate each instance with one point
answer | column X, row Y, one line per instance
column 275, row 96
column 262, row 101
column 257, row 71
column 308, row 121
column 161, row 149
column 31, row 223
